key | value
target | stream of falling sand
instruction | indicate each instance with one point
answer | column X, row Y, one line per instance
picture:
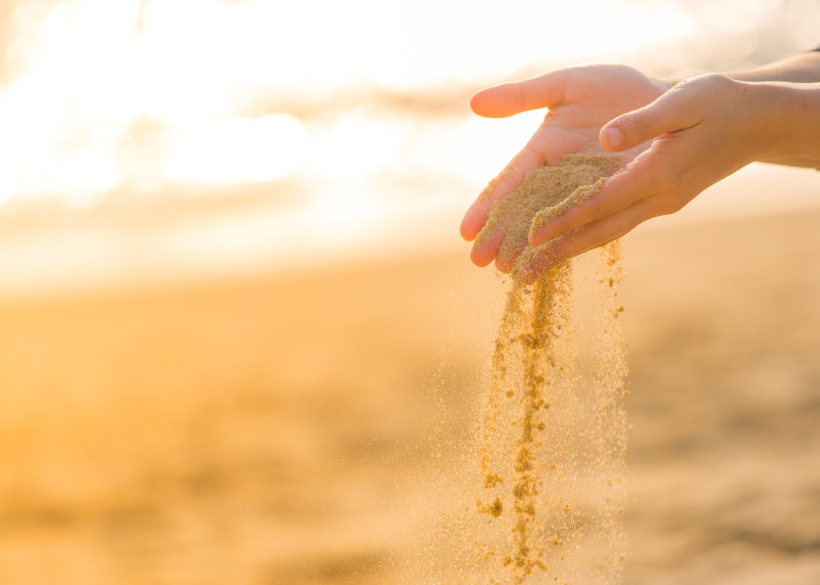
column 552, row 437
column 541, row 496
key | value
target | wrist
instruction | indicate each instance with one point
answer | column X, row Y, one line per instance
column 791, row 119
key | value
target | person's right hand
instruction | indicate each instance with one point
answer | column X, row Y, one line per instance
column 581, row 99
column 701, row 131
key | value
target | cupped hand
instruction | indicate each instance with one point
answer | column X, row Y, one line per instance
column 702, row 130
column 581, row 100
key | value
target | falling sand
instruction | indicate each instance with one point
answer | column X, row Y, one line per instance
column 552, row 432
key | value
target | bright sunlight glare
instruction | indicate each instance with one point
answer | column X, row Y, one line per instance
column 234, row 150
column 87, row 73
column 91, row 68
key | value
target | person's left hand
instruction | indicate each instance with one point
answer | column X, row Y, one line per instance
column 580, row 100
column 704, row 129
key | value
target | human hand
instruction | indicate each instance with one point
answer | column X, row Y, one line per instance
column 704, row 129
column 580, row 99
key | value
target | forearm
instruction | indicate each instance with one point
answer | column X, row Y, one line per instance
column 789, row 114
column 800, row 68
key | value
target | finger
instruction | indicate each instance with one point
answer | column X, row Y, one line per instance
column 586, row 238
column 508, row 99
column 507, row 258
column 639, row 180
column 483, row 255
column 673, row 111
column 503, row 185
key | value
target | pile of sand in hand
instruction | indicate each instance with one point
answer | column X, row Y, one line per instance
column 544, row 194
column 552, row 435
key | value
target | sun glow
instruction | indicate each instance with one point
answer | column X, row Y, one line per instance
column 88, row 75
column 234, row 150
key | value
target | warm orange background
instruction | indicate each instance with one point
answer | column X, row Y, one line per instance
column 235, row 315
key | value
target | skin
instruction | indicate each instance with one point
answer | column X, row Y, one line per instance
column 677, row 140
column 580, row 100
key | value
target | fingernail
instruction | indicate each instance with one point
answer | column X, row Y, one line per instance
column 613, row 139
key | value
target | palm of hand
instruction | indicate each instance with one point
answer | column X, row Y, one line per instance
column 581, row 101
column 592, row 96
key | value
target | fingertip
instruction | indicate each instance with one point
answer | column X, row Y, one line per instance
column 477, row 103
column 466, row 230
column 505, row 265
column 482, row 257
column 528, row 278
column 474, row 221
column 611, row 138
column 484, row 253
column 528, row 272
column 489, row 103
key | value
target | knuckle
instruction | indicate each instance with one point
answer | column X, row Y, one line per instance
column 705, row 79
column 720, row 79
column 687, row 92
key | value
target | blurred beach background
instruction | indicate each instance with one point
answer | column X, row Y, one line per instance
column 238, row 326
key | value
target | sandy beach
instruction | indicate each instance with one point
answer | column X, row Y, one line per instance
column 279, row 429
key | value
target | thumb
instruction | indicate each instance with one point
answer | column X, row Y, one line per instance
column 671, row 112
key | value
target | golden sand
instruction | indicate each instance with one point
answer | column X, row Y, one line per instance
column 545, row 193
column 552, row 434
column 580, row 195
